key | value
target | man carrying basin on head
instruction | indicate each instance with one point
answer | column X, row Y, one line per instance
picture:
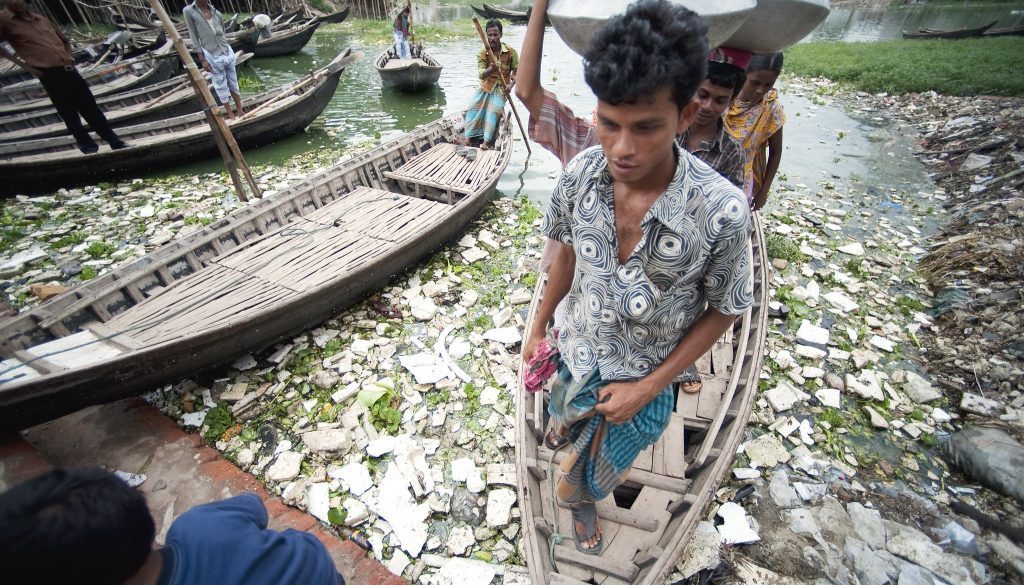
column 554, row 126
column 652, row 256
column 206, row 29
column 43, row 50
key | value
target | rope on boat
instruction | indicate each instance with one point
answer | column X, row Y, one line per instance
column 284, row 232
column 556, row 538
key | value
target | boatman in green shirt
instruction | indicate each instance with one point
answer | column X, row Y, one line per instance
column 485, row 110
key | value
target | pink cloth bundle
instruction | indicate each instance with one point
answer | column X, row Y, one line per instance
column 542, row 366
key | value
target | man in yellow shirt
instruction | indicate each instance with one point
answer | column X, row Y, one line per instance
column 485, row 110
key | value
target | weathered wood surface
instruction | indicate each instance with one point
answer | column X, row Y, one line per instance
column 257, row 276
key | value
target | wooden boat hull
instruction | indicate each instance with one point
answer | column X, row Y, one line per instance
column 336, row 18
column 1012, row 31
column 418, row 74
column 170, row 99
column 963, row 33
column 47, row 164
column 506, row 14
column 287, row 42
column 162, row 71
column 670, row 484
column 102, row 80
column 379, row 245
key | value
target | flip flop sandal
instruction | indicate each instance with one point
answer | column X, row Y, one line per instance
column 554, row 440
column 691, row 382
column 585, row 513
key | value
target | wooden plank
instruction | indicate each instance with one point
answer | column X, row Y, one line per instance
column 113, row 337
column 569, row 554
column 40, row 364
column 662, row 482
column 668, row 451
column 636, row 518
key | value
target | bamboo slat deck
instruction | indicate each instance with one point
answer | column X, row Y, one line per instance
column 263, row 273
column 648, row 521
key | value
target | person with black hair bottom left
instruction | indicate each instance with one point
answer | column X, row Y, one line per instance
column 652, row 256
column 86, row 525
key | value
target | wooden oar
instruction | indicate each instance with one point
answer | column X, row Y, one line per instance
column 504, row 84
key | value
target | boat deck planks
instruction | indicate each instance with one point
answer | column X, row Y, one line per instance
column 442, row 167
column 304, row 254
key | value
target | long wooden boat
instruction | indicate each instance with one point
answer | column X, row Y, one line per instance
column 335, row 18
column 651, row 517
column 286, row 42
column 127, row 76
column 262, row 274
column 1010, row 31
column 416, row 74
column 100, row 79
column 46, row 164
column 960, row 33
column 169, row 99
column 108, row 103
column 491, row 11
column 98, row 55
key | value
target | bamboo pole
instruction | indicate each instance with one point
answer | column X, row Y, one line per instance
column 229, row 150
column 504, row 84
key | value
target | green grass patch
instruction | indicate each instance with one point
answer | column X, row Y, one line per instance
column 100, row 249
column 88, row 273
column 373, row 31
column 964, row 67
column 778, row 246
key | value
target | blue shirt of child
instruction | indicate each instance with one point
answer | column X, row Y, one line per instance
column 228, row 543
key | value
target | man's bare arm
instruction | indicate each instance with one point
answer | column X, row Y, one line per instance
column 619, row 402
column 528, row 87
column 560, row 276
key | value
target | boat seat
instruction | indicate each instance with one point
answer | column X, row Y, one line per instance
column 400, row 63
column 441, row 167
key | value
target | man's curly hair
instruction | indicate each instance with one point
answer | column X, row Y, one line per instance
column 654, row 44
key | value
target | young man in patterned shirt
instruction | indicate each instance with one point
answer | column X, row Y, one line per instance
column 653, row 256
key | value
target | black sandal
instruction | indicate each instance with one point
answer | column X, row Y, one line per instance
column 554, row 440
column 585, row 513
column 691, row 382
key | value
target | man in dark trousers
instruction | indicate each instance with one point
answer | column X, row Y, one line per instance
column 43, row 50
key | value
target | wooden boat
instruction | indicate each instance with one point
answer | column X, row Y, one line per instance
column 651, row 517
column 960, row 33
column 139, row 72
column 286, row 42
column 98, row 55
column 108, row 103
column 172, row 98
column 416, row 74
column 262, row 274
column 335, row 18
column 491, row 11
column 1010, row 31
column 49, row 163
